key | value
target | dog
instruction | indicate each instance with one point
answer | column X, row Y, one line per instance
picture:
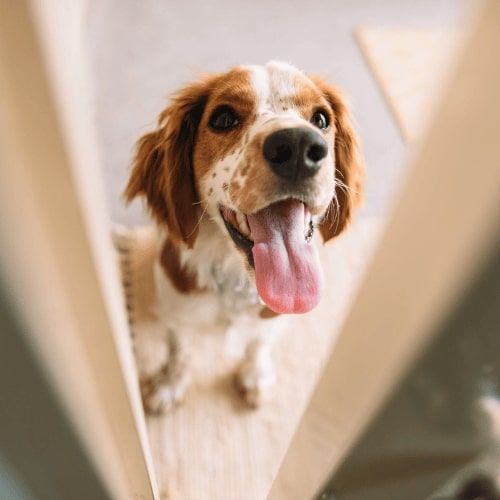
column 240, row 172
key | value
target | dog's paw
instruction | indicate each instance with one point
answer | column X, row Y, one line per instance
column 160, row 395
column 164, row 398
column 255, row 382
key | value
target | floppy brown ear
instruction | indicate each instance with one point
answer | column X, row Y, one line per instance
column 162, row 170
column 349, row 165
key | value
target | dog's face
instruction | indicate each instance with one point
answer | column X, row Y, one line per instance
column 269, row 154
column 265, row 136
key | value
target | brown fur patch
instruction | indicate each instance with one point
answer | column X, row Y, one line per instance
column 234, row 90
column 183, row 279
column 308, row 98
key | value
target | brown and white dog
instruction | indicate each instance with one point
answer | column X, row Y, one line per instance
column 242, row 168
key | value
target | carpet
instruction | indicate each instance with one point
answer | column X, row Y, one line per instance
column 213, row 446
column 410, row 67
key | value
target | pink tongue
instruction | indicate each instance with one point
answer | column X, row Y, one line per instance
column 288, row 273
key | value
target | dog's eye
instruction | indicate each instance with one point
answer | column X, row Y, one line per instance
column 320, row 119
column 223, row 118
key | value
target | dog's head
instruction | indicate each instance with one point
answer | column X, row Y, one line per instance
column 268, row 153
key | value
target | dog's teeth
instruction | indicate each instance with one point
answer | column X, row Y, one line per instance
column 310, row 231
column 243, row 224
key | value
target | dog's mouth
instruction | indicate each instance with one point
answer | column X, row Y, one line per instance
column 239, row 229
column 276, row 241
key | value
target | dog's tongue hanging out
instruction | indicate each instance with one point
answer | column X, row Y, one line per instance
column 287, row 268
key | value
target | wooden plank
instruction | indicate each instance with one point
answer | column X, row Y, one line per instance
column 56, row 255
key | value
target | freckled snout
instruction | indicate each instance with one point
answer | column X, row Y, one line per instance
column 295, row 153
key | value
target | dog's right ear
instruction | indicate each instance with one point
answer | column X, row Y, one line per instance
column 162, row 171
column 349, row 164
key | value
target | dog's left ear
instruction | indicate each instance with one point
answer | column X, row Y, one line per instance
column 349, row 164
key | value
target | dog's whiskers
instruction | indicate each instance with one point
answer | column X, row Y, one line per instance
column 201, row 216
column 336, row 215
column 349, row 191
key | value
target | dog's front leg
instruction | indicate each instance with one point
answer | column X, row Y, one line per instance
column 162, row 372
column 255, row 375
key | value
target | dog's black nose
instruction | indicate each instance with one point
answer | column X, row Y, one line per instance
column 295, row 153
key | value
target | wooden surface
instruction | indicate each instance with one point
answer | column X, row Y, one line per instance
column 213, row 446
column 411, row 66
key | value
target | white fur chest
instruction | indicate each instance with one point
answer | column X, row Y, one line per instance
column 225, row 289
